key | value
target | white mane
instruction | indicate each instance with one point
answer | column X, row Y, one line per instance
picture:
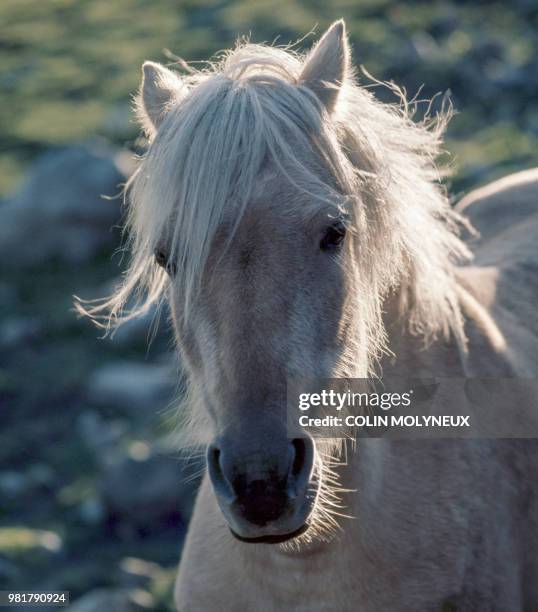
column 249, row 108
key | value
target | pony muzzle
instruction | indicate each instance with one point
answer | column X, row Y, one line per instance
column 264, row 488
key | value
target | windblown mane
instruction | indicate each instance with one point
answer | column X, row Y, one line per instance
column 248, row 108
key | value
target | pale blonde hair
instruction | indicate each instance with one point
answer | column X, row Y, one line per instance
column 250, row 106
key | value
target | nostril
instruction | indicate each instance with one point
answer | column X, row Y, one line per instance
column 299, row 447
column 301, row 467
column 219, row 480
column 215, row 455
column 213, row 461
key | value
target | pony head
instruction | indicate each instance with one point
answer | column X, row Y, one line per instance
column 277, row 207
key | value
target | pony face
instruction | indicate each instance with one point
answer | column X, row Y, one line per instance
column 274, row 301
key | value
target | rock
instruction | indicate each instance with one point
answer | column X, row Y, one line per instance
column 132, row 385
column 26, row 484
column 16, row 331
column 138, row 572
column 41, row 474
column 13, row 483
column 60, row 210
column 92, row 511
column 149, row 491
column 113, row 600
column 426, row 47
column 98, row 433
column 8, row 570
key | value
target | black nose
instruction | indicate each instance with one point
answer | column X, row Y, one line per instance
column 260, row 481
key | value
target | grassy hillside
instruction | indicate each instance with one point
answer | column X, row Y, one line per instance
column 70, row 66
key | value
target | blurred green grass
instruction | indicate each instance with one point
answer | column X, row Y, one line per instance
column 69, row 67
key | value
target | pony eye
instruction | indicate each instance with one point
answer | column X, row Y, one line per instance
column 161, row 258
column 333, row 238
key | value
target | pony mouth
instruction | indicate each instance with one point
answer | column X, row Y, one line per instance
column 272, row 538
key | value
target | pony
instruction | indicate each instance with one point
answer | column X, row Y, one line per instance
column 294, row 224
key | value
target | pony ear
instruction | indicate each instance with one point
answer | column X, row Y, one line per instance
column 159, row 91
column 327, row 65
